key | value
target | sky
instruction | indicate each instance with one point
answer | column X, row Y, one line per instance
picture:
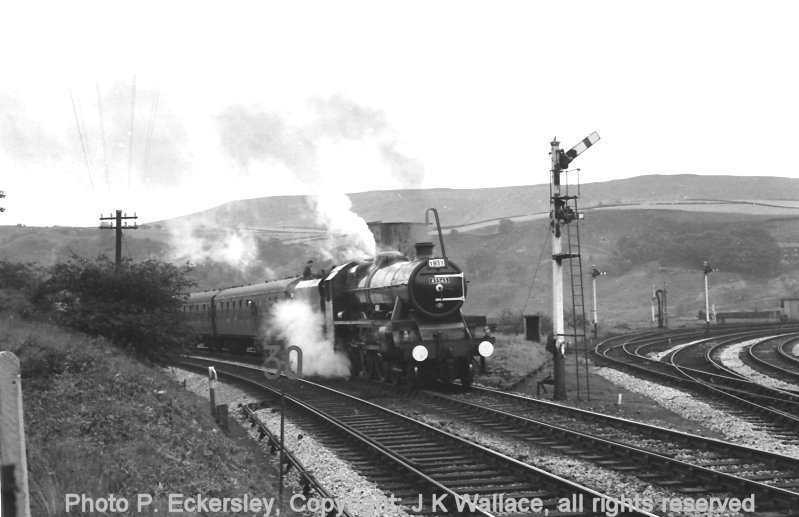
column 168, row 108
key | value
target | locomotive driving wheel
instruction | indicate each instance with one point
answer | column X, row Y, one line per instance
column 356, row 363
column 396, row 373
column 466, row 369
column 411, row 377
column 382, row 368
column 368, row 361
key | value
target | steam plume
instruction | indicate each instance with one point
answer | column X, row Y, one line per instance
column 295, row 323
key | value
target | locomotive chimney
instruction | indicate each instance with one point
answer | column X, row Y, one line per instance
column 424, row 250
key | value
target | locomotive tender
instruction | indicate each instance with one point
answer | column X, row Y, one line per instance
column 399, row 320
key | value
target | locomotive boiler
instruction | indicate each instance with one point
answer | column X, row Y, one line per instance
column 398, row 319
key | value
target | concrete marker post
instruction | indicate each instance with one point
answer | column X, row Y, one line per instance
column 15, row 497
column 212, row 389
column 222, row 417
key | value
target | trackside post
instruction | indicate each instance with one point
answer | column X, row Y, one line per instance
column 212, row 389
column 281, row 362
column 13, row 464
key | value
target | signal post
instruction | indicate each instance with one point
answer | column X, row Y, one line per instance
column 707, row 270
column 595, row 272
column 561, row 214
column 556, row 343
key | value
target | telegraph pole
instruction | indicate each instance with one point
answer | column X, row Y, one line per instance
column 118, row 227
column 561, row 214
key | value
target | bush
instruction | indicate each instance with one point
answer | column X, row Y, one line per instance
column 510, row 322
column 135, row 305
column 22, row 277
column 15, row 302
column 17, row 283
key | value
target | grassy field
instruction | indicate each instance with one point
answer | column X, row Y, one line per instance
column 100, row 423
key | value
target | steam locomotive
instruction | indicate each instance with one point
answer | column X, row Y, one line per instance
column 398, row 319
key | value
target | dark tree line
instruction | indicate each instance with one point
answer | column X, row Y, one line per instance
column 745, row 249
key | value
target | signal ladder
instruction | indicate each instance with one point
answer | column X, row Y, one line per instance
column 571, row 251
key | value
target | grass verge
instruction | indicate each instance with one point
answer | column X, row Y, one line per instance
column 514, row 360
column 98, row 423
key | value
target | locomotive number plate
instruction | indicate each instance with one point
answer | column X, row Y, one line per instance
column 436, row 263
column 439, row 280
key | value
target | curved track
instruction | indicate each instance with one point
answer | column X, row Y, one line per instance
column 685, row 360
column 424, row 460
column 774, row 357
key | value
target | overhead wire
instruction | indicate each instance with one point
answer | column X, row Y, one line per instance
column 151, row 128
column 102, row 134
column 80, row 136
column 535, row 273
column 127, row 249
column 132, row 126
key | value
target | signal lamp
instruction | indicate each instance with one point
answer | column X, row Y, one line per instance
column 485, row 349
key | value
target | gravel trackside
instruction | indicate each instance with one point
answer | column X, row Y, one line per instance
column 333, row 473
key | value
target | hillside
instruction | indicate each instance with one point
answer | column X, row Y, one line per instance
column 643, row 231
column 459, row 207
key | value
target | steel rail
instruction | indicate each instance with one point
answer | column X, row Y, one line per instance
column 789, row 369
column 555, row 482
column 641, row 364
column 344, row 428
column 715, row 479
column 307, row 479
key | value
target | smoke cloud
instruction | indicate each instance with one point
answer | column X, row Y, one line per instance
column 334, row 212
column 202, row 240
column 22, row 137
column 253, row 136
column 340, row 118
column 335, row 140
column 296, row 324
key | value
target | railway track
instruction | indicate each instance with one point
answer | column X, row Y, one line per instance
column 687, row 464
column 306, row 478
column 684, row 463
column 688, row 365
column 430, row 471
column 774, row 357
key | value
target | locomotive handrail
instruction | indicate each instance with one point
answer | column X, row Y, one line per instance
column 438, row 227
